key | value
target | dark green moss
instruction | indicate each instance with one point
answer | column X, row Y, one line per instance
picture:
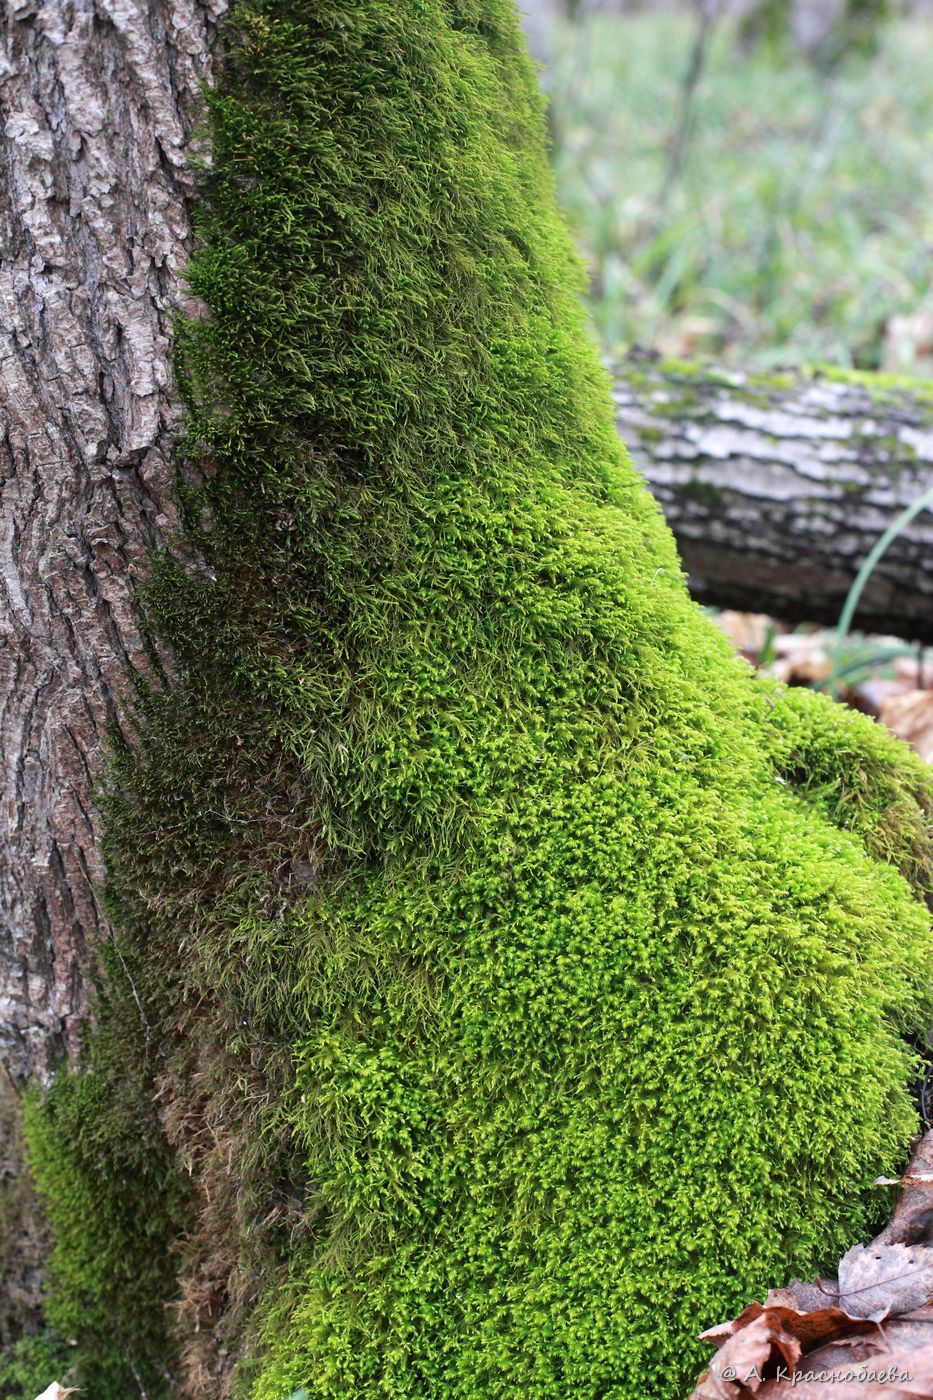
column 516, row 1012
column 702, row 493
column 29, row 1365
column 115, row 1206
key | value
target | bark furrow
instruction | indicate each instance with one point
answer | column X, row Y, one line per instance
column 98, row 101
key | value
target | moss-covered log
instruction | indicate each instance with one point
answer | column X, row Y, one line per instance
column 777, row 486
column 505, row 981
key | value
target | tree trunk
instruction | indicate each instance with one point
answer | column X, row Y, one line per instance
column 823, row 31
column 442, row 993
column 97, row 101
column 777, row 486
column 98, row 98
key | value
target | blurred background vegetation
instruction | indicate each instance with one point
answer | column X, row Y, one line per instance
column 749, row 182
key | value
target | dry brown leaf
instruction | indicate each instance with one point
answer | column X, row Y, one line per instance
column 746, row 631
column 908, row 342
column 806, row 1297
column 912, row 1221
column 905, row 1332
column 910, row 716
column 908, row 1375
column 878, row 1280
column 874, row 1318
column 855, row 1364
column 752, row 1350
column 916, row 670
column 802, row 658
column 769, row 1336
column 811, row 1312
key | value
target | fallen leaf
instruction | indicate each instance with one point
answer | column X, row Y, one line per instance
column 908, row 341
column 881, row 1279
column 751, row 1350
column 916, row 670
column 912, row 1221
column 909, row 715
column 784, row 1345
column 823, row 1295
column 912, row 1378
column 746, row 631
column 802, row 658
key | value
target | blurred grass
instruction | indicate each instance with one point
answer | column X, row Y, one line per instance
column 802, row 220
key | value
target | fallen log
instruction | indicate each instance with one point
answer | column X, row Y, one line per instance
column 777, row 486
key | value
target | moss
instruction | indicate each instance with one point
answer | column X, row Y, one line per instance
column 901, row 393
column 115, row 1208
column 31, row 1355
column 694, row 383
column 29, row 1365
column 685, row 404
column 884, row 389
column 515, row 1008
column 772, row 381
column 702, row 493
column 860, row 778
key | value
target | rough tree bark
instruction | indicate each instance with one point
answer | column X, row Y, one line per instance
column 98, row 98
column 778, row 486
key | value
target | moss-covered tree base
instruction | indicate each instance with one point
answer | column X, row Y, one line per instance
column 523, row 984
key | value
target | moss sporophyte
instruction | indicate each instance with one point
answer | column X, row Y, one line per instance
column 507, row 1020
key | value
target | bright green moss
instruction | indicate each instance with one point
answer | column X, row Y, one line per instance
column 859, row 776
column 537, row 1017
column 30, row 1355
